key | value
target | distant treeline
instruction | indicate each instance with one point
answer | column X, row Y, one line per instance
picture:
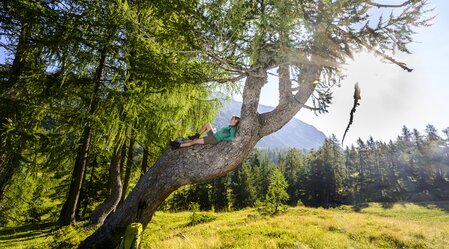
column 414, row 168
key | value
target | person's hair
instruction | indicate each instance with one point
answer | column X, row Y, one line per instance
column 238, row 119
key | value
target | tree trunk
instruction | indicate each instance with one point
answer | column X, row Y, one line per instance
column 122, row 161
column 89, row 188
column 67, row 215
column 68, row 212
column 144, row 165
column 176, row 168
column 129, row 162
column 115, row 189
column 82, row 193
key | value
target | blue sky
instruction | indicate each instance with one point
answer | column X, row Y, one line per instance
column 391, row 97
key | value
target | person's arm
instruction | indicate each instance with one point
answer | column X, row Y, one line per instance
column 231, row 135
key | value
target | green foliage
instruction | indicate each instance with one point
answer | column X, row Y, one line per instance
column 57, row 87
column 325, row 175
column 243, row 188
column 277, row 193
column 68, row 237
column 31, row 199
column 292, row 165
column 197, row 217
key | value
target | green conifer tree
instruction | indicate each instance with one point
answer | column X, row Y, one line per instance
column 277, row 194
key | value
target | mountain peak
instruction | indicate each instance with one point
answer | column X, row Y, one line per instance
column 295, row 133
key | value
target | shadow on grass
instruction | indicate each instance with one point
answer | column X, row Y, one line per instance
column 443, row 205
column 27, row 232
column 359, row 206
column 387, row 205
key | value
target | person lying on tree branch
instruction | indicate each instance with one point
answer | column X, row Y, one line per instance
column 224, row 134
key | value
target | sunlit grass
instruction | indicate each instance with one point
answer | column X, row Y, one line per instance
column 402, row 225
column 399, row 226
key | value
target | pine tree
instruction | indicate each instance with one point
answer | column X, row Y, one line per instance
column 220, row 194
column 277, row 192
column 293, row 172
column 243, row 190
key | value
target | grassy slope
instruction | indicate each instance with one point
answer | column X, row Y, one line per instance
column 396, row 226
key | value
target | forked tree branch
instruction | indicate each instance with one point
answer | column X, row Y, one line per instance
column 287, row 108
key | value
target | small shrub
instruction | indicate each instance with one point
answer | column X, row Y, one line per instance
column 197, row 217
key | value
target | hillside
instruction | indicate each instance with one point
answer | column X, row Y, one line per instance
column 402, row 225
column 295, row 133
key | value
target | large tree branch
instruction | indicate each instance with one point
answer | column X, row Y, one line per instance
column 285, row 84
column 173, row 169
column 229, row 65
column 251, row 94
column 285, row 111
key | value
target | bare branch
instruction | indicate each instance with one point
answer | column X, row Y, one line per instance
column 231, row 79
column 351, row 115
column 377, row 52
column 306, row 106
column 389, row 5
column 233, row 67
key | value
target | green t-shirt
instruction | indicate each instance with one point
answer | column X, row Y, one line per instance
column 225, row 134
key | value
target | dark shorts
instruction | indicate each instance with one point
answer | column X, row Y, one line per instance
column 210, row 138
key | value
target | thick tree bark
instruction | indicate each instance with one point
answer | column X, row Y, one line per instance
column 67, row 215
column 115, row 188
column 122, row 161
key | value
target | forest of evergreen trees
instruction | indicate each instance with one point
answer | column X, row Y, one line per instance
column 413, row 168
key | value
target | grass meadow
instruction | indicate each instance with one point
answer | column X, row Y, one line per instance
column 374, row 225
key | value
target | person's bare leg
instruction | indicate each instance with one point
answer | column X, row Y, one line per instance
column 206, row 127
column 193, row 142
